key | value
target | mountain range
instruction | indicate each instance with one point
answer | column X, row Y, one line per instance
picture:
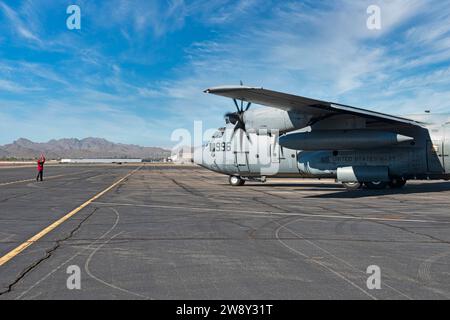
column 75, row 148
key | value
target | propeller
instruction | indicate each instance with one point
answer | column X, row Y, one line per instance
column 237, row 118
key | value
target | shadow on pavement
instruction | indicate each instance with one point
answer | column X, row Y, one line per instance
column 408, row 189
column 336, row 186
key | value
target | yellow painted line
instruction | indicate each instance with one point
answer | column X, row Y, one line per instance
column 57, row 223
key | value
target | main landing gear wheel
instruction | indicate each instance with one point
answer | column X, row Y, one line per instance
column 376, row 185
column 236, row 181
column 397, row 183
column 352, row 185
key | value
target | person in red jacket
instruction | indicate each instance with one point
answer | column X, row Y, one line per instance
column 40, row 168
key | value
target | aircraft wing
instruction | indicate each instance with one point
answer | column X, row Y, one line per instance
column 317, row 108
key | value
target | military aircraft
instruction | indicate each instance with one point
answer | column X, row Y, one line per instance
column 295, row 136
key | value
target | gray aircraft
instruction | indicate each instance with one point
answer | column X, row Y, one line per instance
column 295, row 136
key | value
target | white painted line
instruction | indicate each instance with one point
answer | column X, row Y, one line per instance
column 29, row 180
column 308, row 258
column 45, row 178
column 236, row 211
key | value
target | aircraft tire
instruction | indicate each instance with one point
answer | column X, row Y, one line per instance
column 376, row 185
column 397, row 183
column 236, row 181
column 352, row 185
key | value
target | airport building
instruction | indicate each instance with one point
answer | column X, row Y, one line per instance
column 101, row 160
column 182, row 155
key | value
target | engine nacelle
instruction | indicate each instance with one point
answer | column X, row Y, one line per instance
column 341, row 140
column 275, row 119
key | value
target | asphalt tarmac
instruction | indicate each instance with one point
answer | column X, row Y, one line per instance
column 181, row 232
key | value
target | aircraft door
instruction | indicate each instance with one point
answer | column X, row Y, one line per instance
column 435, row 153
column 241, row 161
column 446, row 148
column 275, row 152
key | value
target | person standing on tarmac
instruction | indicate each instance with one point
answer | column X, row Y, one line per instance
column 40, row 168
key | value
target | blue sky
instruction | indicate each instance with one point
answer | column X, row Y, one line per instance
column 136, row 69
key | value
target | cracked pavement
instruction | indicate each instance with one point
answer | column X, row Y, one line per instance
column 180, row 232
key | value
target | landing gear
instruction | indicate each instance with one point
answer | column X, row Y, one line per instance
column 376, row 185
column 397, row 183
column 352, row 185
column 236, row 181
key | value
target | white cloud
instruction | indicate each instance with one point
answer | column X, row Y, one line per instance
column 17, row 23
column 320, row 50
column 220, row 13
column 137, row 19
column 328, row 53
column 10, row 86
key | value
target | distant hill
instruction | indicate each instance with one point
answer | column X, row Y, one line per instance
column 75, row 148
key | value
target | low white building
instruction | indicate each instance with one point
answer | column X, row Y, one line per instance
column 183, row 155
column 101, row 160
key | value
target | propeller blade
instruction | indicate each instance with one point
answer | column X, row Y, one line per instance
column 234, row 132
column 236, row 104
column 241, row 134
column 248, row 106
column 248, row 137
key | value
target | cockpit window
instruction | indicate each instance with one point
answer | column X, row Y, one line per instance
column 218, row 134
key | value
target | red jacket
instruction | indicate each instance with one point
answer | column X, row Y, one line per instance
column 40, row 164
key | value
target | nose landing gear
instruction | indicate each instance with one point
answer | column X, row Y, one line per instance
column 236, row 181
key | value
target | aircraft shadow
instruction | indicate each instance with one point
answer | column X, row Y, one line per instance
column 299, row 185
column 408, row 189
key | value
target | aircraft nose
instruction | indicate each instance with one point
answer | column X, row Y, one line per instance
column 199, row 156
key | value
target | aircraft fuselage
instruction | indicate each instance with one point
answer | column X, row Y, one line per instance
column 424, row 156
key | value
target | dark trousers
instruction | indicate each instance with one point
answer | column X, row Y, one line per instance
column 40, row 175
